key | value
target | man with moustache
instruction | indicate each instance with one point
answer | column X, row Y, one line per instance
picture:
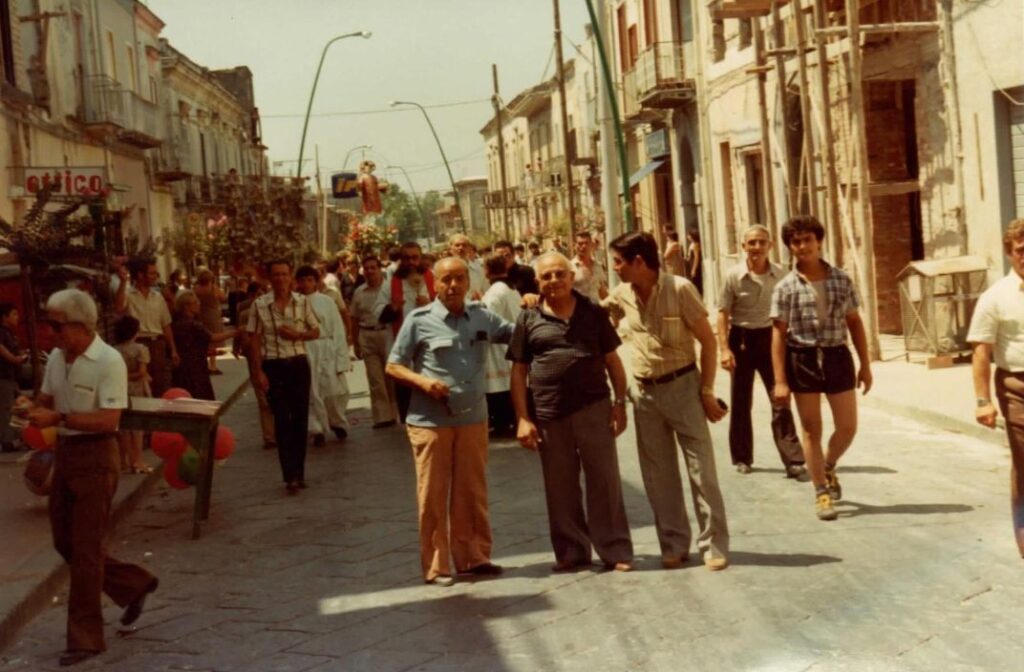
column 439, row 353
column 408, row 287
column 566, row 345
column 745, row 340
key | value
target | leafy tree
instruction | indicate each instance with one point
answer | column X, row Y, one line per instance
column 401, row 211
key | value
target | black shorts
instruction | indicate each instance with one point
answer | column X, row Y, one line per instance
column 827, row 370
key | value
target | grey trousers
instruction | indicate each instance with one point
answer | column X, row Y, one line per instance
column 584, row 439
column 663, row 413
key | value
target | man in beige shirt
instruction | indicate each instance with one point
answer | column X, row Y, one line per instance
column 147, row 305
column 671, row 398
column 373, row 343
column 591, row 280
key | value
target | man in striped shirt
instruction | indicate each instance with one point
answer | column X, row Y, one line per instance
column 281, row 322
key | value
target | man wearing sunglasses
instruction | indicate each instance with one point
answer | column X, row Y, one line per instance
column 439, row 353
column 84, row 390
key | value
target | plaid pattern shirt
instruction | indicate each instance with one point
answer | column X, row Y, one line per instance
column 794, row 302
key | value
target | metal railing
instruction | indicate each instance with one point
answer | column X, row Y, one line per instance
column 176, row 153
column 659, row 65
column 108, row 102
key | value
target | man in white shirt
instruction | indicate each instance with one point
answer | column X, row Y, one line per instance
column 84, row 391
column 145, row 303
column 373, row 344
column 997, row 330
column 328, row 361
column 461, row 246
column 590, row 278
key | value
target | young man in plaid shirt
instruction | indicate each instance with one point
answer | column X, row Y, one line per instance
column 813, row 310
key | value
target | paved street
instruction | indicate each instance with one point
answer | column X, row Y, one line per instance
column 919, row 572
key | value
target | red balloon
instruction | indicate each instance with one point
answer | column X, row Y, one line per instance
column 176, row 393
column 224, row 444
column 168, row 446
column 33, row 436
column 171, row 475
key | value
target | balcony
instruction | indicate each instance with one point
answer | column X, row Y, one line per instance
column 174, row 160
column 513, row 197
column 741, row 9
column 660, row 77
column 113, row 112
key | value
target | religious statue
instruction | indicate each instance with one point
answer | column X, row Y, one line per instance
column 369, row 188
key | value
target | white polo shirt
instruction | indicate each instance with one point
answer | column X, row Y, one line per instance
column 999, row 321
column 97, row 379
column 150, row 310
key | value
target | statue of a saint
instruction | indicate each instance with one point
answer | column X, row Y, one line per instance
column 369, row 189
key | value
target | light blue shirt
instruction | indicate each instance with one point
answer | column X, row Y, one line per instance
column 450, row 348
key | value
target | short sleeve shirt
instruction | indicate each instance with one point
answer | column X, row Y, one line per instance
column 999, row 320
column 97, row 379
column 566, row 358
column 795, row 302
column 451, row 348
column 748, row 296
column 589, row 280
column 364, row 299
column 265, row 319
column 662, row 328
column 150, row 310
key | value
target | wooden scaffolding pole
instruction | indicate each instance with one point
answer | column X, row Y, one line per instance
column 500, row 131
column 863, row 218
column 779, row 38
column 761, row 69
column 827, row 140
column 809, row 154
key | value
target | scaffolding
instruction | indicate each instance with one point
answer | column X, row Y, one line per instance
column 833, row 32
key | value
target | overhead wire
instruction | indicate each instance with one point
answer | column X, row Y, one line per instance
column 352, row 113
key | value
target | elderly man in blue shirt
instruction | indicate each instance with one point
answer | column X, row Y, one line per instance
column 439, row 352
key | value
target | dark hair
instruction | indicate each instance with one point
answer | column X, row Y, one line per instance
column 408, row 245
column 503, row 243
column 371, row 257
column 534, row 245
column 137, row 266
column 694, row 235
column 5, row 308
column 583, row 233
column 496, row 265
column 333, row 265
column 518, row 247
column 253, row 288
column 307, row 271
column 395, row 252
column 673, row 236
column 278, row 262
column 125, row 328
column 802, row 224
column 638, row 243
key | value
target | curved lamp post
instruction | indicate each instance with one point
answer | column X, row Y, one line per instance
column 365, row 34
column 354, row 149
column 415, row 196
column 455, row 192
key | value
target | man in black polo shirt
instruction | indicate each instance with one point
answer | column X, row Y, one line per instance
column 566, row 344
column 521, row 278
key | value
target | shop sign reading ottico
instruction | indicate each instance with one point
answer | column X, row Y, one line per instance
column 65, row 180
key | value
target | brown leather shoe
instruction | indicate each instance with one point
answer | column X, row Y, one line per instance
column 69, row 658
column 673, row 563
column 135, row 607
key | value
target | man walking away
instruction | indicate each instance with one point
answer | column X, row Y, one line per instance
column 373, row 343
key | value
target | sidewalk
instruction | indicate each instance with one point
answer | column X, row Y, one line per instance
column 943, row 399
column 31, row 572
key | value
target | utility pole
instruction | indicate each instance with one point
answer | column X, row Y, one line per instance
column 609, row 197
column 321, row 203
column 570, row 196
column 496, row 100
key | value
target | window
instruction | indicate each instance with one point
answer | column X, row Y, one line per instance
column 725, row 152
column 746, row 32
column 133, row 68
column 650, row 23
column 754, row 174
column 717, row 40
column 111, row 57
column 153, row 90
column 7, row 44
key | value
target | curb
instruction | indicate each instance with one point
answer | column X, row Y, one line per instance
column 996, row 437
column 22, row 601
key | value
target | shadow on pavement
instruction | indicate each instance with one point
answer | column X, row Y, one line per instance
column 780, row 559
column 913, row 509
column 843, row 469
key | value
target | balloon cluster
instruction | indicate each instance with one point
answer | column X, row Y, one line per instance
column 181, row 461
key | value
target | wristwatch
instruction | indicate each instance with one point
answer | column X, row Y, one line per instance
column 981, row 402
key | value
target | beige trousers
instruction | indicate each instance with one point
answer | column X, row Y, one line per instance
column 451, row 461
column 375, row 346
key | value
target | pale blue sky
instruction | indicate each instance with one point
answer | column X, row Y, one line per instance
column 428, row 51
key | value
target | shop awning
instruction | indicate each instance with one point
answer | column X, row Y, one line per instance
column 635, row 178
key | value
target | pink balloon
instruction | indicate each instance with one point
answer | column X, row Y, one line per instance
column 168, row 446
column 176, row 393
column 224, row 444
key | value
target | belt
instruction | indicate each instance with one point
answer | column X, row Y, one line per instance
column 74, row 439
column 376, row 327
column 668, row 377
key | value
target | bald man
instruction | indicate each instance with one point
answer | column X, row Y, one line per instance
column 462, row 247
column 440, row 352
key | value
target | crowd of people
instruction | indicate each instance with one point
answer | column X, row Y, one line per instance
column 460, row 347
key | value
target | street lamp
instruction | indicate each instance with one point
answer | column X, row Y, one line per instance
column 455, row 192
column 365, row 34
column 354, row 149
